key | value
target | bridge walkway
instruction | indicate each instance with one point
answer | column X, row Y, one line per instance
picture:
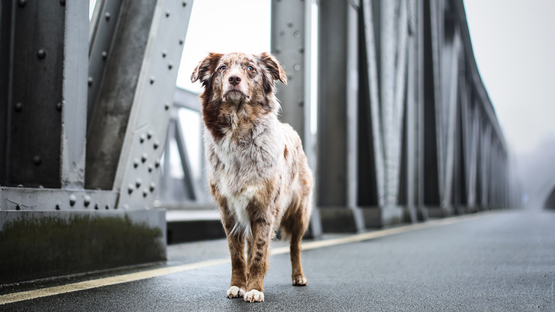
column 493, row 261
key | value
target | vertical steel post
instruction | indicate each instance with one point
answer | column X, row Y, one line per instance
column 336, row 105
column 74, row 95
column 291, row 43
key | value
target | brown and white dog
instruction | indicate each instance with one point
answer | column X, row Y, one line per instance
column 257, row 169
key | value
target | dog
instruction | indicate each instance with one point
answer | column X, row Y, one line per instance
column 257, row 170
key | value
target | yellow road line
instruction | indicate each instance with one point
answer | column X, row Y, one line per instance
column 51, row 291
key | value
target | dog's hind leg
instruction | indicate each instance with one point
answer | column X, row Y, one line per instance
column 295, row 226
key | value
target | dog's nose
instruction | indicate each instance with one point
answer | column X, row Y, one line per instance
column 234, row 80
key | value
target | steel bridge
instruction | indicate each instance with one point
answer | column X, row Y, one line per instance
column 406, row 131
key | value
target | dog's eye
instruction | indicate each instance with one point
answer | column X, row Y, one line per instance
column 222, row 68
column 250, row 68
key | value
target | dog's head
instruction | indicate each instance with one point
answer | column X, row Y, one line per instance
column 238, row 78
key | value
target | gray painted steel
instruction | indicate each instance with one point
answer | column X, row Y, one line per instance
column 149, row 116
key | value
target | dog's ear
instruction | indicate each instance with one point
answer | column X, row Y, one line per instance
column 273, row 67
column 205, row 68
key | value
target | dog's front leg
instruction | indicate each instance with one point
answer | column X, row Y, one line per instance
column 238, row 268
column 258, row 263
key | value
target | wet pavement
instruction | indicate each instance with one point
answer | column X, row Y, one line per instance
column 499, row 261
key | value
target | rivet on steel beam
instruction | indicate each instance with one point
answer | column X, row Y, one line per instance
column 20, row 185
column 107, row 16
column 157, row 163
column 170, row 66
column 152, row 186
column 296, row 67
column 104, row 55
column 166, row 106
column 164, row 53
column 37, row 160
column 22, row 3
column 96, row 206
column 72, row 200
column 17, row 207
column 145, row 192
column 58, row 207
column 40, row 186
column 184, row 4
column 63, row 2
column 18, row 107
column 130, row 189
column 142, row 138
column 155, row 145
column 86, row 200
column 289, row 78
column 135, row 163
column 90, row 81
column 41, row 54
column 297, row 34
column 144, row 157
column 107, row 207
column 282, row 34
column 301, row 103
column 301, row 51
column 149, row 134
column 278, row 51
column 152, row 80
column 150, row 167
column 167, row 14
column 59, row 106
column 290, row 25
column 138, row 183
column 180, row 41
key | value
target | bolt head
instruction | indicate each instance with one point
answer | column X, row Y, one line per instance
column 149, row 134
column 107, row 16
column 104, row 55
column 72, row 200
column 144, row 157
column 18, row 106
column 130, row 188
column 22, row 3
column 37, row 160
column 135, row 163
column 41, row 54
column 59, row 106
column 155, row 145
column 90, row 81
column 152, row 186
column 87, row 200
column 138, row 183
column 63, row 2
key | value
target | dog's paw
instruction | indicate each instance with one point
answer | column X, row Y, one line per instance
column 300, row 281
column 235, row 292
column 254, row 296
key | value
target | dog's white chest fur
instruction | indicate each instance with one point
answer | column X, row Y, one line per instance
column 244, row 166
column 237, row 203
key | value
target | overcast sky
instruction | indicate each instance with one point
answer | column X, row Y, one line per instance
column 514, row 46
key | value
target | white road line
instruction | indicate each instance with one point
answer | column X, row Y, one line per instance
column 51, row 291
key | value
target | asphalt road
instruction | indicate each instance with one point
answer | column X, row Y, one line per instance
column 501, row 261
